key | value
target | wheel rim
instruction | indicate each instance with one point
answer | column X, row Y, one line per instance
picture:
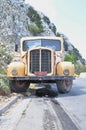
column 20, row 84
column 67, row 84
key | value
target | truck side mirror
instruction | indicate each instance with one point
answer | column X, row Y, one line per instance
column 16, row 47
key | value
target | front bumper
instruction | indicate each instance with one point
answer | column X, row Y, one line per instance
column 41, row 78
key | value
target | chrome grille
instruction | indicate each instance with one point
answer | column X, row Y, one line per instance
column 46, row 60
column 40, row 60
column 34, row 60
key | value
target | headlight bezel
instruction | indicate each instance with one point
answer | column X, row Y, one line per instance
column 14, row 72
column 66, row 72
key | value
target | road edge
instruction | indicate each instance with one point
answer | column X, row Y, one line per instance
column 70, row 115
column 8, row 104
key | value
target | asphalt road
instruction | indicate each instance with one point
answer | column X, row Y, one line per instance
column 74, row 103
column 31, row 114
column 65, row 112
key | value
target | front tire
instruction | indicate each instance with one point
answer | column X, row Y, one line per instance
column 18, row 86
column 64, row 86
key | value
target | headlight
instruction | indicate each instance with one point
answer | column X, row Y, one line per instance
column 66, row 72
column 14, row 72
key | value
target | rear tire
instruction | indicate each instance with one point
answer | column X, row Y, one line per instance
column 64, row 86
column 18, row 86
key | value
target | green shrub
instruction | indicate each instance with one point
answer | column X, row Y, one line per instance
column 35, row 18
column 79, row 68
column 2, row 70
column 34, row 29
column 53, row 28
column 46, row 19
column 5, row 58
column 70, row 58
column 4, row 84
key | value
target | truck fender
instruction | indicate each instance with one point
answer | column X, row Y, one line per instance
column 65, row 68
column 16, row 68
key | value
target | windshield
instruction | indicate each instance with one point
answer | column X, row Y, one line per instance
column 53, row 44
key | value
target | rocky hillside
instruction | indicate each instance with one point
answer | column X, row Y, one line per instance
column 18, row 19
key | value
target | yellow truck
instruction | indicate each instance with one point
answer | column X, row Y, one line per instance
column 40, row 60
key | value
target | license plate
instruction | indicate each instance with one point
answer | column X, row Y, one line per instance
column 42, row 73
